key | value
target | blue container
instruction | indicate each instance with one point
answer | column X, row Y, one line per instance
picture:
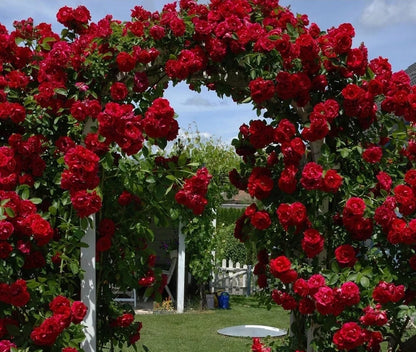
column 224, row 301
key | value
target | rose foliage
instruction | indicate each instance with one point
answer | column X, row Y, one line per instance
column 329, row 162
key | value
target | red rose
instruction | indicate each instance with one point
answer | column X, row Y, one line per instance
column 349, row 337
column 311, row 176
column 287, row 180
column 261, row 135
column 306, row 306
column 312, row 243
column 298, row 215
column 69, row 349
column 332, row 181
column 354, row 206
column 118, row 91
column 315, row 282
column 78, row 310
column 386, row 292
column 58, row 304
column 345, row 255
column 86, row 203
column 373, row 154
column 5, row 249
column 123, row 320
column 261, row 90
column 284, row 214
column 6, row 229
column 260, row 183
column 125, row 62
column 279, row 265
column 261, row 220
column 289, row 276
column 19, row 295
column 410, row 177
column 47, row 333
column 384, row 181
column 324, row 300
column 284, row 132
column 301, row 287
column 6, row 345
column 374, row 316
column 349, row 293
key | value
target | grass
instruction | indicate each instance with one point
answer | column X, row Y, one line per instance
column 197, row 330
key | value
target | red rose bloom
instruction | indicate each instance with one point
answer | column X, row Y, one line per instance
column 118, row 91
column 349, row 337
column 374, row 316
column 260, row 183
column 332, row 181
column 287, row 181
column 311, row 176
column 261, row 220
column 373, row 155
column 18, row 294
column 86, row 203
column 6, row 229
column 78, row 310
column 125, row 62
column 384, row 181
column 325, row 300
column 312, row 243
column 345, row 255
column 279, row 265
column 261, row 90
column 123, row 320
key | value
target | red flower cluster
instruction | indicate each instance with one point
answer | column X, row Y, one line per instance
column 313, row 178
column 312, row 243
column 261, row 90
column 320, row 119
column 123, row 320
column 260, row 183
column 259, row 219
column 280, row 268
column 15, row 294
column 361, row 228
column 257, row 346
column 374, row 316
column 81, row 175
column 294, row 214
column 159, row 121
column 386, row 292
column 117, row 123
column 63, row 313
column 21, row 161
column 192, row 194
column 345, row 255
column 188, row 62
column 74, row 18
column 25, row 222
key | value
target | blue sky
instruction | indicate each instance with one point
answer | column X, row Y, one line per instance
column 387, row 27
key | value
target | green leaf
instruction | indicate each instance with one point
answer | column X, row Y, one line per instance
column 74, row 267
column 365, row 282
column 36, row 200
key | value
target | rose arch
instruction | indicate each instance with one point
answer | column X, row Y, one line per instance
column 329, row 163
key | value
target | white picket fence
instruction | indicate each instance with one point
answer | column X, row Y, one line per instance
column 234, row 279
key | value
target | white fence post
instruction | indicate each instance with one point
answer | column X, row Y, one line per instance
column 181, row 273
column 88, row 288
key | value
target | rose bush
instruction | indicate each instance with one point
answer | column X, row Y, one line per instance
column 329, row 163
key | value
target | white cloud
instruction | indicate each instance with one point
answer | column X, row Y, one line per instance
column 389, row 12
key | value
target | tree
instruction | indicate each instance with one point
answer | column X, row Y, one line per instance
column 201, row 231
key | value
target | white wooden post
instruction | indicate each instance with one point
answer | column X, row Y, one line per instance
column 181, row 273
column 88, row 288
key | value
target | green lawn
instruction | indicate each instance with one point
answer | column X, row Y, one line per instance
column 197, row 330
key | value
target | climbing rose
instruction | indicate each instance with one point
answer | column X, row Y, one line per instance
column 350, row 336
